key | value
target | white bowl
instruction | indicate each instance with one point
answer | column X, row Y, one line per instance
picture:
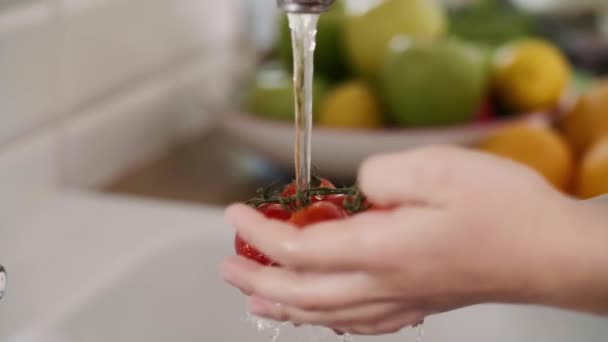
column 338, row 152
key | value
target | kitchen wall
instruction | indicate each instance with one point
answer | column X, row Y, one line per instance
column 90, row 88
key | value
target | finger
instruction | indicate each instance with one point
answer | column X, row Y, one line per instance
column 343, row 316
column 230, row 271
column 332, row 245
column 274, row 238
column 390, row 325
column 418, row 177
column 303, row 290
column 365, row 241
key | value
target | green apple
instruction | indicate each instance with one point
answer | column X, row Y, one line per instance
column 367, row 36
column 490, row 23
column 330, row 54
column 271, row 94
column 434, row 82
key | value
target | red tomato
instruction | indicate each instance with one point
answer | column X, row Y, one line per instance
column 290, row 189
column 317, row 212
column 273, row 211
column 314, row 213
column 340, row 199
column 246, row 250
column 335, row 199
column 366, row 204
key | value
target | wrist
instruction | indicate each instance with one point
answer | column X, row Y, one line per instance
column 572, row 266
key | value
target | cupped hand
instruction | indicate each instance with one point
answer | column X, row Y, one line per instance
column 463, row 228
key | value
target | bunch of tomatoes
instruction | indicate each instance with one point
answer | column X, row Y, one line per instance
column 322, row 201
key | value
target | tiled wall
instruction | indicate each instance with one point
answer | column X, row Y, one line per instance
column 91, row 87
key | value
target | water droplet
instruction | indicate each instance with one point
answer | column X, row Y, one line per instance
column 3, row 281
column 265, row 325
column 347, row 338
column 419, row 333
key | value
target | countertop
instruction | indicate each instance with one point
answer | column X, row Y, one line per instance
column 64, row 250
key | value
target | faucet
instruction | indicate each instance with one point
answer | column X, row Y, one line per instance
column 305, row 6
column 2, row 281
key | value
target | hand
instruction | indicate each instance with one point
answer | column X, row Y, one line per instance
column 464, row 228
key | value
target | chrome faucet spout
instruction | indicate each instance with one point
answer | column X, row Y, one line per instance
column 305, row 6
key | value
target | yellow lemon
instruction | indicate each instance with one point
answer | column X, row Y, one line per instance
column 350, row 105
column 588, row 121
column 540, row 148
column 530, row 75
column 592, row 178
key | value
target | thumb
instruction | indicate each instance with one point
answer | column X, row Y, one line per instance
column 422, row 176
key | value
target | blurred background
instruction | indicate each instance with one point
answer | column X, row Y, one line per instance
column 122, row 122
column 192, row 100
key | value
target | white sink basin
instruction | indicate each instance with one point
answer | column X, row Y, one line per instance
column 165, row 287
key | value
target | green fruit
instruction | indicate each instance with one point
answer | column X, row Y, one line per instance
column 330, row 54
column 368, row 35
column 271, row 95
column 490, row 24
column 433, row 82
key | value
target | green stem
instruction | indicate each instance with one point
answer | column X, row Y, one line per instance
column 353, row 203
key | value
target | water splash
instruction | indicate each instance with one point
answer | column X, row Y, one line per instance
column 280, row 330
column 420, row 333
column 266, row 326
column 307, row 333
column 347, row 338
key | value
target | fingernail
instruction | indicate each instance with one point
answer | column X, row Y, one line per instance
column 259, row 307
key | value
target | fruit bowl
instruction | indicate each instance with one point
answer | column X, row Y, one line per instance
column 339, row 152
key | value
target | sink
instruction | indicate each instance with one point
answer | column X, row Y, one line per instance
column 164, row 286
column 215, row 169
column 175, row 295
column 212, row 169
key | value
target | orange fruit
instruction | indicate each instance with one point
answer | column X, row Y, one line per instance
column 588, row 121
column 540, row 148
column 592, row 178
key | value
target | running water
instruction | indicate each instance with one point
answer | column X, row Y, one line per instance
column 303, row 34
column 303, row 38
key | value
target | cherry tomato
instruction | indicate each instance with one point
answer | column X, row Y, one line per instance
column 290, row 189
column 335, row 199
column 246, row 250
column 317, row 212
column 340, row 201
column 273, row 211
column 314, row 213
column 321, row 208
